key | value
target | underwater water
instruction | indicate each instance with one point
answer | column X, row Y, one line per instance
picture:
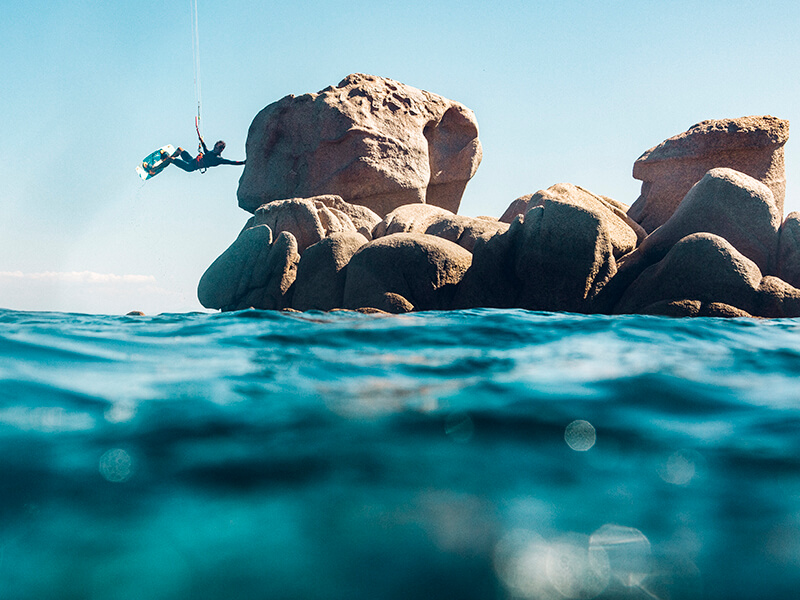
column 479, row 454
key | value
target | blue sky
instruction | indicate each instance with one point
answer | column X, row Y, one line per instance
column 563, row 91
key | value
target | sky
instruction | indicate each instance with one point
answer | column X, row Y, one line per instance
column 562, row 91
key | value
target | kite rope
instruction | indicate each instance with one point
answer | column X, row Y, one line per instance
column 196, row 57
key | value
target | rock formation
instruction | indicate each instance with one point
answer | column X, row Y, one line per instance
column 423, row 218
column 322, row 271
column 252, row 272
column 557, row 257
column 788, row 260
column 373, row 141
column 354, row 192
column 404, row 272
column 705, row 268
column 752, row 145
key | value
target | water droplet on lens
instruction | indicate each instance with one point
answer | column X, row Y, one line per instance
column 116, row 465
column 681, row 467
column 580, row 435
column 520, row 561
column 577, row 569
column 628, row 552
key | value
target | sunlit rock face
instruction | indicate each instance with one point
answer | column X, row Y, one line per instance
column 373, row 141
column 752, row 145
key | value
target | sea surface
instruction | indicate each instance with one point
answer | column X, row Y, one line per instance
column 486, row 454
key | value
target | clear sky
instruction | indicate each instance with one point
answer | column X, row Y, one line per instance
column 563, row 92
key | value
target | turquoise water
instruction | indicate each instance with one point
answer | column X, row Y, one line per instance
column 476, row 454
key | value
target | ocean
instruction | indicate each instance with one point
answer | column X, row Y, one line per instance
column 486, row 454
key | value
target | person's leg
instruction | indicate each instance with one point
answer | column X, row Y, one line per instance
column 187, row 166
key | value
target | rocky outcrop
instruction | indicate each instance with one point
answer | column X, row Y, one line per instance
column 307, row 219
column 788, row 260
column 693, row 308
column 373, row 141
column 465, row 231
column 411, row 218
column 363, row 180
column 705, row 268
column 322, row 271
column 624, row 233
column 404, row 272
column 752, row 145
column 423, row 218
column 516, row 208
column 363, row 219
column 253, row 272
column 724, row 202
column 729, row 204
column 558, row 257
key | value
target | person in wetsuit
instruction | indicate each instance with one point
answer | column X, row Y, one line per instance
column 206, row 159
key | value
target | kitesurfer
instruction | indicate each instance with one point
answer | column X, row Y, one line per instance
column 204, row 160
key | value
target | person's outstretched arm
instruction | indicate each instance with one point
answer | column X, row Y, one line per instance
column 225, row 161
column 203, row 144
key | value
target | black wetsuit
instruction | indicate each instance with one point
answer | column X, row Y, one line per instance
column 209, row 159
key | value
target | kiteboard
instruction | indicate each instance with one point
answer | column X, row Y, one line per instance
column 154, row 163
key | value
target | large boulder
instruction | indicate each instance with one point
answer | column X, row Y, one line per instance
column 465, row 231
column 788, row 261
column 752, row 145
column 322, row 270
column 705, row 268
column 729, row 204
column 409, row 218
column 424, row 218
column 307, row 219
column 624, row 232
column 373, row 141
column 404, row 272
column 557, row 258
column 252, row 272
column 724, row 202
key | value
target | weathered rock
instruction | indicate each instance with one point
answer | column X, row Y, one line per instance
column 307, row 220
column 788, row 261
column 252, row 272
column 557, row 258
column 565, row 256
column 752, row 145
column 322, row 270
column 624, row 233
column 424, row 218
column 704, row 267
column 729, row 204
column 363, row 219
column 693, row 308
column 724, row 202
column 404, row 272
column 465, row 231
column 516, row 208
column 373, row 141
column 409, row 218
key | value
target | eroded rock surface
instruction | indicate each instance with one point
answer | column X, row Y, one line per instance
column 404, row 272
column 371, row 140
column 558, row 258
column 322, row 271
column 752, row 145
column 424, row 218
column 706, row 268
column 253, row 272
column 307, row 220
